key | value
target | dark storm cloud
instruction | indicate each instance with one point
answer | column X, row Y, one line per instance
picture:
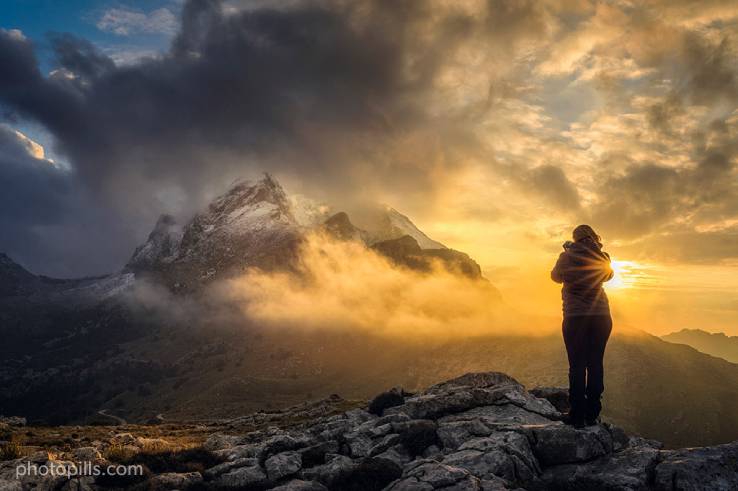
column 35, row 195
column 551, row 183
column 315, row 89
column 36, row 190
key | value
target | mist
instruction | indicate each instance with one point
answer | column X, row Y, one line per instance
column 343, row 285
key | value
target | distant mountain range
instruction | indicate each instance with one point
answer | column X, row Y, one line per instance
column 715, row 344
column 73, row 348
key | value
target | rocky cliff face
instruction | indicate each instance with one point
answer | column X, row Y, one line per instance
column 256, row 224
column 478, row 432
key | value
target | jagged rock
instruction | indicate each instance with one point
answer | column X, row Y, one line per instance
column 504, row 454
column 298, row 485
column 371, row 474
column 339, row 226
column 173, row 480
column 505, row 413
column 557, row 396
column 86, row 454
column 477, row 432
column 331, row 472
column 703, row 468
column 397, row 454
column 281, row 443
column 430, row 474
column 471, row 391
column 629, row 470
column 242, row 477
column 315, row 454
column 455, row 433
column 562, row 444
column 282, row 465
column 86, row 483
column 384, row 444
column 230, row 465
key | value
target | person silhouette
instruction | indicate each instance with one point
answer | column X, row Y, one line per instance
column 582, row 268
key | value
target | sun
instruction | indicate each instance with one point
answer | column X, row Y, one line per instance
column 625, row 275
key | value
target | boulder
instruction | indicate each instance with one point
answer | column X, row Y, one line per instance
column 242, row 477
column 703, row 468
column 315, row 454
column 331, row 472
column 557, row 396
column 371, row 474
column 299, row 485
column 562, row 444
column 282, row 465
column 173, row 480
column 86, row 454
column 471, row 391
column 510, row 450
column 629, row 470
column 430, row 474
column 230, row 465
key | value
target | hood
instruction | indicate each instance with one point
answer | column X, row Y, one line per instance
column 585, row 247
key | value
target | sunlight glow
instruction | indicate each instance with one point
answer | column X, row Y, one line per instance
column 626, row 275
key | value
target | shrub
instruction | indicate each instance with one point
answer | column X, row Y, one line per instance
column 385, row 400
column 10, row 451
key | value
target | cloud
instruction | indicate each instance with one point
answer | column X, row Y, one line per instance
column 345, row 286
column 343, row 95
column 125, row 22
column 35, row 192
column 372, row 100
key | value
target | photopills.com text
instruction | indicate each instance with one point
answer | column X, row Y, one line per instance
column 67, row 469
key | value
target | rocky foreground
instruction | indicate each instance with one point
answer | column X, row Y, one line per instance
column 481, row 431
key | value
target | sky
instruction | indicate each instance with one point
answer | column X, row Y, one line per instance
column 497, row 126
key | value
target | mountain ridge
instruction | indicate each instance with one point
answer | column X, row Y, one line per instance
column 716, row 344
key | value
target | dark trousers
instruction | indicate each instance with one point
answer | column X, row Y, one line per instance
column 585, row 338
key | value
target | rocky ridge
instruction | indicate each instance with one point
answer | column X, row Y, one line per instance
column 256, row 224
column 481, row 431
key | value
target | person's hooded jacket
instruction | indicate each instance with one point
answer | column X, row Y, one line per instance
column 582, row 268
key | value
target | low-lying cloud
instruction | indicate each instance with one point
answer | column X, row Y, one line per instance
column 344, row 285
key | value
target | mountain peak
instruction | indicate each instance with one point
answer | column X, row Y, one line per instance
column 246, row 192
column 392, row 225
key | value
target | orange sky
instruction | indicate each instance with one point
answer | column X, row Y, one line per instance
column 496, row 126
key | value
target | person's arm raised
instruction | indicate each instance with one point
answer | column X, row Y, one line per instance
column 556, row 272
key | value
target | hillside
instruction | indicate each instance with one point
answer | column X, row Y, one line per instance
column 715, row 344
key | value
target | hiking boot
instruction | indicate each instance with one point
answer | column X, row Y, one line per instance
column 573, row 420
column 592, row 421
